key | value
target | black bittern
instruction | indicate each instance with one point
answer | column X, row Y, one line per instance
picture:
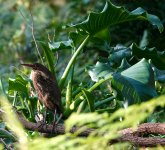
column 47, row 89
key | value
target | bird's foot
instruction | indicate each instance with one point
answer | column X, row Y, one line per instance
column 41, row 124
column 55, row 123
column 54, row 129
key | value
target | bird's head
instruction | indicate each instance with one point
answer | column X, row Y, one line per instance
column 35, row 66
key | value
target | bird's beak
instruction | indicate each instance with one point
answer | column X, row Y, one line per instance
column 28, row 65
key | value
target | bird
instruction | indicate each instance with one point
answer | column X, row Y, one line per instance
column 46, row 87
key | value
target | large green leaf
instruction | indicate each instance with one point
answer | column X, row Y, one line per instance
column 112, row 15
column 158, row 58
column 136, row 83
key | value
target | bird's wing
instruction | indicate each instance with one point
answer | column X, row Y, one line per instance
column 50, row 85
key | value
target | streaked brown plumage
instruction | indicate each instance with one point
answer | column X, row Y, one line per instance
column 46, row 87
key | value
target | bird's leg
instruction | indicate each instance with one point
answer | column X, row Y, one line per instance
column 43, row 122
column 54, row 121
column 59, row 119
column 45, row 116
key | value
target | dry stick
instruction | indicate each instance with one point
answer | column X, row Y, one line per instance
column 140, row 141
column 60, row 128
column 52, row 37
column 154, row 128
column 32, row 30
column 130, row 134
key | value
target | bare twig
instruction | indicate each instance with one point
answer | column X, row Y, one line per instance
column 51, row 39
column 32, row 30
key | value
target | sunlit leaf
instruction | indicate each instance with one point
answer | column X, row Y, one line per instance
column 12, row 122
column 1, row 147
column 100, row 70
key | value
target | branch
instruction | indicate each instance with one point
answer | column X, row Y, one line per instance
column 146, row 128
column 131, row 135
column 45, row 128
column 140, row 141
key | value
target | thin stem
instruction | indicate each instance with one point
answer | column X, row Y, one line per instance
column 98, row 83
column 2, row 87
column 82, row 106
column 15, row 98
column 65, row 74
column 32, row 30
column 69, row 87
column 107, row 100
column 94, row 86
column 69, row 94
